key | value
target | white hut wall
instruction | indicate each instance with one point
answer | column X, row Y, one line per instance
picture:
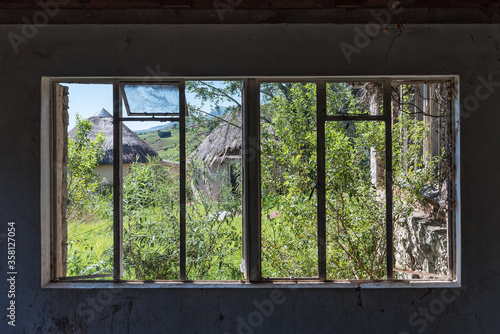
column 105, row 172
column 216, row 176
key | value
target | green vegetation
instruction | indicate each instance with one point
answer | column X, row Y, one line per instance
column 83, row 158
column 355, row 197
column 167, row 147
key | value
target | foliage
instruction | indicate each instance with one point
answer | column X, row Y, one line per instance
column 151, row 226
column 355, row 192
column 83, row 158
column 151, row 222
column 214, row 225
column 288, row 177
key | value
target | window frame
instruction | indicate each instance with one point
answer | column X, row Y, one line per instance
column 251, row 241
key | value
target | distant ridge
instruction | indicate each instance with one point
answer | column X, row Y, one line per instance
column 219, row 111
column 154, row 128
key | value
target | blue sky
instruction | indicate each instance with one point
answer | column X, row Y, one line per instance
column 88, row 99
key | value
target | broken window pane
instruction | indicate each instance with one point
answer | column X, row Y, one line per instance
column 151, row 99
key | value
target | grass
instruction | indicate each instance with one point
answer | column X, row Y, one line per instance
column 215, row 245
column 89, row 247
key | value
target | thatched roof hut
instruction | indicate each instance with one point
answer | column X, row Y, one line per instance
column 224, row 142
column 134, row 148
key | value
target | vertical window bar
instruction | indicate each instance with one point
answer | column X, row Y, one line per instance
column 182, row 178
column 452, row 241
column 117, row 185
column 320, row 182
column 387, row 98
column 251, row 180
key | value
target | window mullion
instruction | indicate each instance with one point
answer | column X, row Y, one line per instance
column 117, row 185
column 320, row 182
column 182, row 178
column 388, row 176
column 251, row 181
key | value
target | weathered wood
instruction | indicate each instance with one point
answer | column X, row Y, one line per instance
column 60, row 177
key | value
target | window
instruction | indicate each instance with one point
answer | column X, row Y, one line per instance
column 357, row 181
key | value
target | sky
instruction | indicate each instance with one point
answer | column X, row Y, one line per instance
column 89, row 99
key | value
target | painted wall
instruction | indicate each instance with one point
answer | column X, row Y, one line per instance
column 471, row 51
column 105, row 172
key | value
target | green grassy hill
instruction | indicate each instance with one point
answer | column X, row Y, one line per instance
column 167, row 148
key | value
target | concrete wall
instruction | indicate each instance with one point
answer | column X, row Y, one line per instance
column 471, row 51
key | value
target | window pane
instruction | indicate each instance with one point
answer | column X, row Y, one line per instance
column 214, row 203
column 288, row 180
column 152, row 99
column 89, row 210
column 355, row 200
column 422, row 167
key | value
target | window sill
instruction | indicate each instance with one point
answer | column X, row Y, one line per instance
column 244, row 285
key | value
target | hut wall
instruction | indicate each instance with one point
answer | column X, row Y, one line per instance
column 106, row 172
column 216, row 176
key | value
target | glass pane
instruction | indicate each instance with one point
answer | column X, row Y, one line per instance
column 214, row 197
column 355, row 200
column 89, row 178
column 152, row 99
column 354, row 98
column 151, row 205
column 422, row 168
column 288, row 180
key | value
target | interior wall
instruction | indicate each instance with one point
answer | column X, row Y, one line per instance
column 470, row 51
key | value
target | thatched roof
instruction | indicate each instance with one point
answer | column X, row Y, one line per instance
column 223, row 142
column 134, row 148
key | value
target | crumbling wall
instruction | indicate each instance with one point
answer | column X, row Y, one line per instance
column 421, row 246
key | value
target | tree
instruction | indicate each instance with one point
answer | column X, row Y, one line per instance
column 355, row 202
column 83, row 158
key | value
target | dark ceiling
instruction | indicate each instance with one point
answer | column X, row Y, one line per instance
column 249, row 11
column 250, row 4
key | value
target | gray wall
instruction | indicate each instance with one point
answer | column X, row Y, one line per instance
column 470, row 51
